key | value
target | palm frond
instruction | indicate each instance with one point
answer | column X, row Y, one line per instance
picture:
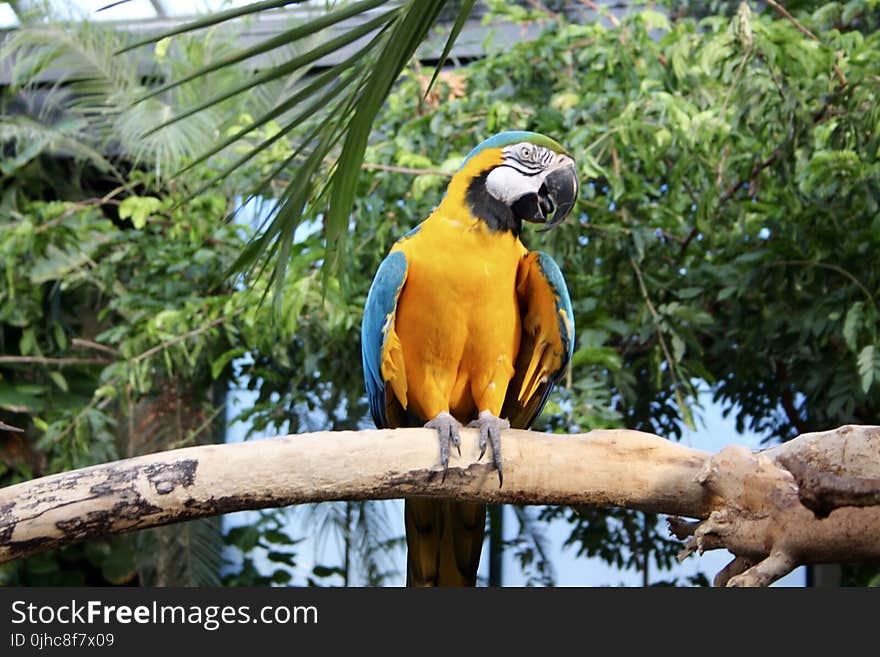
column 282, row 70
column 466, row 7
column 213, row 19
column 408, row 34
column 91, row 85
column 330, row 116
column 284, row 39
column 530, row 546
column 30, row 137
column 364, row 531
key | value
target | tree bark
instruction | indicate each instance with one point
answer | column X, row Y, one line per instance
column 807, row 501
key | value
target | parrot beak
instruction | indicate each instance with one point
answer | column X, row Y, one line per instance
column 558, row 195
column 554, row 200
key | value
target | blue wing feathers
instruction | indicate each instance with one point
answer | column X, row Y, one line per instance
column 381, row 302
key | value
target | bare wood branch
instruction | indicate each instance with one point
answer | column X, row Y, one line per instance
column 622, row 468
column 747, row 502
column 822, row 492
column 761, row 517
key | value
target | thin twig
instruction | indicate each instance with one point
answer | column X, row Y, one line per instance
column 794, row 21
column 99, row 402
column 824, row 265
column 45, row 360
column 538, row 6
column 190, row 438
column 657, row 319
column 80, row 205
column 88, row 344
column 601, row 10
column 406, row 170
column 186, row 336
column 758, row 168
column 685, row 243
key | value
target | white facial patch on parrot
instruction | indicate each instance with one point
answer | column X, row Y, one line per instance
column 507, row 184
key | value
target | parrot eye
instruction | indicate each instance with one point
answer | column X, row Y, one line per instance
column 526, row 153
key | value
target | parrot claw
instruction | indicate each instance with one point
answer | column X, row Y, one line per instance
column 447, row 427
column 490, row 432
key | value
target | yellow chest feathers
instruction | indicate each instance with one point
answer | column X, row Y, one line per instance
column 458, row 317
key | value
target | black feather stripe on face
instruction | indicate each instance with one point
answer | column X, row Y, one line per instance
column 524, row 169
column 497, row 215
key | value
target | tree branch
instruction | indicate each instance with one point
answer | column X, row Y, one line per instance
column 407, row 170
column 747, row 502
column 756, row 169
column 185, row 336
column 46, row 360
column 97, row 346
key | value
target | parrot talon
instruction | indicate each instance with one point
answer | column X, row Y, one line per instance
column 490, row 433
column 447, row 428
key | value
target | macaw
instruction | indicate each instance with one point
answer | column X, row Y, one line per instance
column 464, row 325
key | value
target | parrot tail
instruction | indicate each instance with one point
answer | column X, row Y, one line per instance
column 444, row 540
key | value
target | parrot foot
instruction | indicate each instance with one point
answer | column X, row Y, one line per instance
column 490, row 432
column 448, row 427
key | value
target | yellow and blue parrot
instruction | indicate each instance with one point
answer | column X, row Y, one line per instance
column 464, row 325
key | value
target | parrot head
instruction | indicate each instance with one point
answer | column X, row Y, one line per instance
column 519, row 176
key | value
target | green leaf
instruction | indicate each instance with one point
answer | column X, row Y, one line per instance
column 22, row 398
column 852, row 324
column 286, row 69
column 320, row 81
column 28, row 342
column 139, row 209
column 59, row 380
column 869, row 367
column 689, row 292
column 327, row 571
column 602, row 356
column 654, row 20
column 219, row 363
column 678, row 348
column 727, row 292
